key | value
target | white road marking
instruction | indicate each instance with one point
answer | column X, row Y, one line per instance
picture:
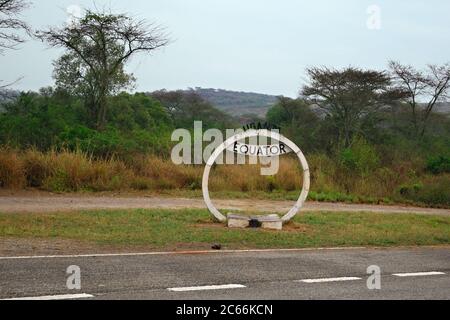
column 175, row 253
column 329, row 280
column 418, row 274
column 55, row 297
column 201, row 288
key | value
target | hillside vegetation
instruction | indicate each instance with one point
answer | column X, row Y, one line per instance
column 375, row 139
column 238, row 104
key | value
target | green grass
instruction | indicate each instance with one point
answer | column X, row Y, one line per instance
column 162, row 229
column 280, row 195
column 336, row 197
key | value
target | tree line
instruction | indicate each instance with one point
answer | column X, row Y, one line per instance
column 88, row 107
column 354, row 102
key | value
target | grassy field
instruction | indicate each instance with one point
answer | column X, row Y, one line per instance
column 169, row 229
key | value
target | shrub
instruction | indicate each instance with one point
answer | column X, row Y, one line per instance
column 136, row 124
column 271, row 184
column 323, row 173
column 432, row 192
column 361, row 157
column 436, row 194
column 410, row 191
column 439, row 164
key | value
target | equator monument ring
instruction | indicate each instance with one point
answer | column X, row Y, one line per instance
column 285, row 146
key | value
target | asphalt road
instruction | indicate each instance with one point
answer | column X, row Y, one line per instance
column 302, row 274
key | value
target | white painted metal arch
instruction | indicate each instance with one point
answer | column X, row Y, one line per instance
column 257, row 133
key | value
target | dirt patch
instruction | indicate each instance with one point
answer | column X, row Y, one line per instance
column 289, row 227
column 37, row 202
column 296, row 227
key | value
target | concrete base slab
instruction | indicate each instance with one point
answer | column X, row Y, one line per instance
column 271, row 222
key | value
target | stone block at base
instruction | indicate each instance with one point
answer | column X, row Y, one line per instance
column 236, row 221
column 271, row 222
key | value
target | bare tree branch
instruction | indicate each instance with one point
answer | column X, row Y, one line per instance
column 11, row 23
column 431, row 85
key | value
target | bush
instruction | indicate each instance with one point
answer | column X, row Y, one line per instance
column 136, row 124
column 361, row 157
column 436, row 194
column 433, row 192
column 410, row 191
column 323, row 173
column 439, row 164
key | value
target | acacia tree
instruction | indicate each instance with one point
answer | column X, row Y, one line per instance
column 185, row 107
column 173, row 102
column 297, row 120
column 98, row 47
column 349, row 97
column 423, row 90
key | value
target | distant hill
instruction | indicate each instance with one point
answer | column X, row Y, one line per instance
column 238, row 104
column 7, row 96
column 443, row 107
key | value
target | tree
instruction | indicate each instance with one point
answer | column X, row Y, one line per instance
column 49, row 121
column 185, row 107
column 350, row 98
column 98, row 47
column 430, row 86
column 11, row 25
column 172, row 101
column 297, row 121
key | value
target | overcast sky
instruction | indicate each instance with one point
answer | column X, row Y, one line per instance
column 254, row 45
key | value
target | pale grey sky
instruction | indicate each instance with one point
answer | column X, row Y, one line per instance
column 253, row 45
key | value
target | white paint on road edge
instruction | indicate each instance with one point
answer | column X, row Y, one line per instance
column 201, row 288
column 176, row 253
column 55, row 297
column 418, row 274
column 329, row 280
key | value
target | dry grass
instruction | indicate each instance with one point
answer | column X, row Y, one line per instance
column 12, row 173
column 61, row 171
column 75, row 171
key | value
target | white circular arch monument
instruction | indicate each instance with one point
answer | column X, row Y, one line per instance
column 257, row 133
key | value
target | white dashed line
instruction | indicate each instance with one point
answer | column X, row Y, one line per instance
column 55, row 297
column 329, row 280
column 418, row 274
column 177, row 253
column 201, row 288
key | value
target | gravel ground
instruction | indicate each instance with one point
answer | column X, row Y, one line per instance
column 41, row 202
